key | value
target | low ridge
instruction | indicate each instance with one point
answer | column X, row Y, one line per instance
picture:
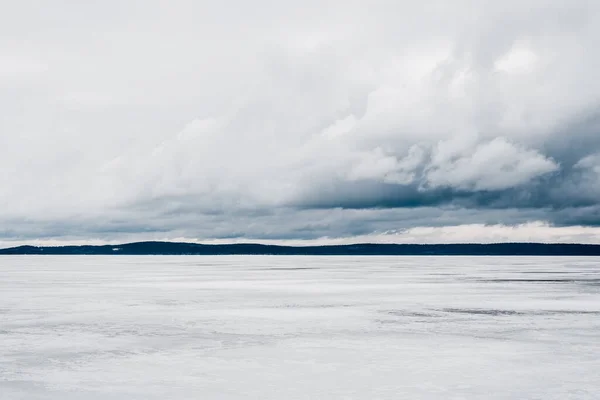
column 176, row 248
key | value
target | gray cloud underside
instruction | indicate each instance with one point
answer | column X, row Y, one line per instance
column 281, row 121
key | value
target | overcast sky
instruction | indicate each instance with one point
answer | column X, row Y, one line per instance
column 327, row 121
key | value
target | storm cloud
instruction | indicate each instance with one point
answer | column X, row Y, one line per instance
column 274, row 121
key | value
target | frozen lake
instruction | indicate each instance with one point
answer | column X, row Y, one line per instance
column 262, row 327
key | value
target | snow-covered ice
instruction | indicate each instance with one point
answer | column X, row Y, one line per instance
column 264, row 327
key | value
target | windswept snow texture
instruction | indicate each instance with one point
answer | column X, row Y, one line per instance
column 266, row 327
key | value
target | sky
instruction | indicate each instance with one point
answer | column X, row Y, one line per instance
column 299, row 122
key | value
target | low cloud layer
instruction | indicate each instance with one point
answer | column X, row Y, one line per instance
column 263, row 121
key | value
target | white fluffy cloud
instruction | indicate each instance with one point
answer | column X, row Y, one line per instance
column 196, row 108
column 494, row 165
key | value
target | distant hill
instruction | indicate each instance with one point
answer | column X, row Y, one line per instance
column 169, row 248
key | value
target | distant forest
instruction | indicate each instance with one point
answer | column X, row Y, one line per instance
column 366, row 249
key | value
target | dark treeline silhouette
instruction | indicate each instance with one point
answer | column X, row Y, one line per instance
column 169, row 248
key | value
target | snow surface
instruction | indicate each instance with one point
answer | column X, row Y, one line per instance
column 264, row 327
